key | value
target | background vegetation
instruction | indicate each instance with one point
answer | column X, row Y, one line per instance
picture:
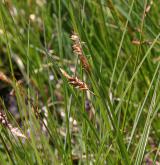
column 44, row 118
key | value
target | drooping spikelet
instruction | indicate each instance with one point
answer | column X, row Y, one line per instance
column 65, row 74
column 14, row 130
column 4, row 78
column 77, row 49
column 75, row 81
column 78, row 83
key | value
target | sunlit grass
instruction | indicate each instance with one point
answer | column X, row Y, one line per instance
column 93, row 100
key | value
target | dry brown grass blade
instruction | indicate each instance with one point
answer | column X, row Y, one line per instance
column 77, row 49
column 77, row 83
column 14, row 130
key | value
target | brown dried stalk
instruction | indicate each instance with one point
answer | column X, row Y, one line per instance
column 14, row 130
column 75, row 81
column 78, row 50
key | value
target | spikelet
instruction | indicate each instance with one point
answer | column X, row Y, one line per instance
column 75, row 81
column 137, row 42
column 148, row 7
column 4, row 78
column 65, row 74
column 78, row 83
column 18, row 84
column 77, row 49
column 14, row 130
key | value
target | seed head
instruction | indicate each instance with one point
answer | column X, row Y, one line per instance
column 74, row 81
column 77, row 49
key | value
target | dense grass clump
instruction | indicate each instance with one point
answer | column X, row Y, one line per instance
column 79, row 82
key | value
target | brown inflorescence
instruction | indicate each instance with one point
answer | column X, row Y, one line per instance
column 4, row 78
column 77, row 83
column 77, row 49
